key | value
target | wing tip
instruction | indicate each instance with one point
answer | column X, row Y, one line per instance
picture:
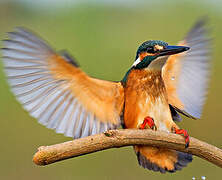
column 200, row 24
column 69, row 58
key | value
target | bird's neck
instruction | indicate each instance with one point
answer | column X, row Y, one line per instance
column 149, row 79
column 152, row 67
column 151, row 71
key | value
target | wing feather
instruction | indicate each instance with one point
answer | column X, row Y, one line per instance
column 55, row 90
column 186, row 75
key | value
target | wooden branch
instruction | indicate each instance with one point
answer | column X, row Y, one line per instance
column 127, row 137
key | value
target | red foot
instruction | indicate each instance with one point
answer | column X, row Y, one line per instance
column 185, row 134
column 148, row 121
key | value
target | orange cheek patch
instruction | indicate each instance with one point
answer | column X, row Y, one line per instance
column 144, row 54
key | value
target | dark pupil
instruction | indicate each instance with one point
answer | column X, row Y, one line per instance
column 150, row 50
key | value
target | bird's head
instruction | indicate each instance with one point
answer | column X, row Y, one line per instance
column 154, row 49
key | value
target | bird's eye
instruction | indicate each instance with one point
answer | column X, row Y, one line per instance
column 150, row 50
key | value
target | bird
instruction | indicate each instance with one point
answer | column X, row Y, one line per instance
column 163, row 82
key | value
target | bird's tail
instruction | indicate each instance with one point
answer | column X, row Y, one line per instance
column 160, row 159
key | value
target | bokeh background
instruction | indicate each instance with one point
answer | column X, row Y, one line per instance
column 103, row 36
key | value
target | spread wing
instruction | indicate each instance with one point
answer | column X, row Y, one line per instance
column 53, row 89
column 186, row 75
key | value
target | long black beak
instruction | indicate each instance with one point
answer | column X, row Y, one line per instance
column 170, row 50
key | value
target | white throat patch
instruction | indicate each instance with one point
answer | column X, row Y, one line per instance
column 136, row 62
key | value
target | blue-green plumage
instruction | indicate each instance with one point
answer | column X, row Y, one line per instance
column 148, row 46
column 125, row 77
column 145, row 62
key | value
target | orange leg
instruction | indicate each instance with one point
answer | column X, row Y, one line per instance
column 148, row 121
column 184, row 133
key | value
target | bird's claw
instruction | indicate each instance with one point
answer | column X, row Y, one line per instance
column 148, row 121
column 184, row 133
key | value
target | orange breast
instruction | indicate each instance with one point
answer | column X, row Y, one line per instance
column 145, row 95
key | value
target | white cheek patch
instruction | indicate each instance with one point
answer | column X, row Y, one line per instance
column 136, row 62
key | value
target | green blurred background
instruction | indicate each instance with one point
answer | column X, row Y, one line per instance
column 104, row 36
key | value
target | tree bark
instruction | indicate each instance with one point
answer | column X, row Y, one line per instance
column 127, row 137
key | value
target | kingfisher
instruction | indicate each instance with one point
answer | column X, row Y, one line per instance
column 163, row 82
